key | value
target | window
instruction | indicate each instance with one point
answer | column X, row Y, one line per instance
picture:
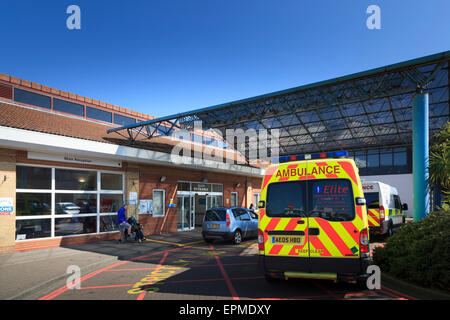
column 397, row 202
column 68, row 107
column 33, row 228
column 383, row 161
column 286, row 199
column 120, row 119
column 98, row 114
column 372, row 200
column 373, row 159
column 400, row 157
column 33, row 178
column 256, row 197
column 331, row 199
column 240, row 214
column 32, row 98
column 361, row 159
column 215, row 215
column 158, row 203
column 234, row 199
column 33, row 204
column 68, row 203
column 184, row 186
column 77, row 202
column 110, row 181
column 75, row 225
column 386, row 158
column 110, row 202
column 67, row 179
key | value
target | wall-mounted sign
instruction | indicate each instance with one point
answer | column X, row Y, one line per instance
column 201, row 187
column 74, row 159
column 145, row 206
column 6, row 206
column 132, row 197
column 172, row 204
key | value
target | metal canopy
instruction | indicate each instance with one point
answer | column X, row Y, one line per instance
column 367, row 109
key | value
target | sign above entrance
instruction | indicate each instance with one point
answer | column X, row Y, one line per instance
column 201, row 187
column 74, row 159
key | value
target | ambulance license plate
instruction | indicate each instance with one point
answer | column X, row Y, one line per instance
column 214, row 226
column 288, row 240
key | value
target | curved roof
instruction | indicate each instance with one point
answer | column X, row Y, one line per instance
column 366, row 109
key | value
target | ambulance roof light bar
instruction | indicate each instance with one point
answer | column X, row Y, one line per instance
column 323, row 155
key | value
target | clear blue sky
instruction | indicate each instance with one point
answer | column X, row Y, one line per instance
column 163, row 57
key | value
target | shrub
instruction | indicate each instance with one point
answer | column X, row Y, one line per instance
column 419, row 252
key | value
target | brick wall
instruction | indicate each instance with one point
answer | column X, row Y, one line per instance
column 138, row 178
column 8, row 190
column 149, row 179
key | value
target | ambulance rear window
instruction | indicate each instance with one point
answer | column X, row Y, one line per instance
column 372, row 200
column 331, row 199
column 286, row 199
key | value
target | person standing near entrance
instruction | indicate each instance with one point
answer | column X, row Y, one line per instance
column 122, row 221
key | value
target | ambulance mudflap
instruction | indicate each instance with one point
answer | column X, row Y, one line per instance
column 311, row 223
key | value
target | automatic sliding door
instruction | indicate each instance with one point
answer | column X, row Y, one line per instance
column 185, row 213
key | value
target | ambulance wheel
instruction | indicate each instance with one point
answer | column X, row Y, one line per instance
column 390, row 230
column 237, row 237
column 361, row 284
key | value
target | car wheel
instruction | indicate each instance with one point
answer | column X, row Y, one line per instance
column 237, row 237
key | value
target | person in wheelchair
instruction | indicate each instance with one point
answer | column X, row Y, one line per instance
column 137, row 233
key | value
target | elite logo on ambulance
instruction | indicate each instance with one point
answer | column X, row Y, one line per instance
column 313, row 220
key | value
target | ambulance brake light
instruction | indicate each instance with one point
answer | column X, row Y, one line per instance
column 322, row 155
column 364, row 241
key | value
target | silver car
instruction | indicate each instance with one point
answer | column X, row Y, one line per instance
column 235, row 223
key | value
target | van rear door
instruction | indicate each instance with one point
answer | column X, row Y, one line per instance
column 284, row 222
column 335, row 221
column 373, row 208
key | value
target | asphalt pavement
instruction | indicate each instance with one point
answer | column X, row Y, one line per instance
column 165, row 267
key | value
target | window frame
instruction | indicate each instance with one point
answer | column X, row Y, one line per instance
column 231, row 199
column 163, row 203
column 53, row 191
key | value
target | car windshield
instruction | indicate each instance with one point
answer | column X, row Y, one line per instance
column 372, row 200
column 215, row 215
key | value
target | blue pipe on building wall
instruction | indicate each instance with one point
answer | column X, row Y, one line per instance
column 421, row 197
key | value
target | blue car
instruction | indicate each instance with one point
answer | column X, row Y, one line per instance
column 235, row 223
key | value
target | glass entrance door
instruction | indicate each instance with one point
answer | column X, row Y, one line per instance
column 185, row 213
column 213, row 201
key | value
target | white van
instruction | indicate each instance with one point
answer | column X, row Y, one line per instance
column 384, row 207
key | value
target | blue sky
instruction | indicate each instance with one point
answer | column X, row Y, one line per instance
column 164, row 57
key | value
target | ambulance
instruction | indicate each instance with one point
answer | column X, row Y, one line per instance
column 313, row 219
column 384, row 208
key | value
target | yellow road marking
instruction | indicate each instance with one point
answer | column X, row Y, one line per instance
column 175, row 243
